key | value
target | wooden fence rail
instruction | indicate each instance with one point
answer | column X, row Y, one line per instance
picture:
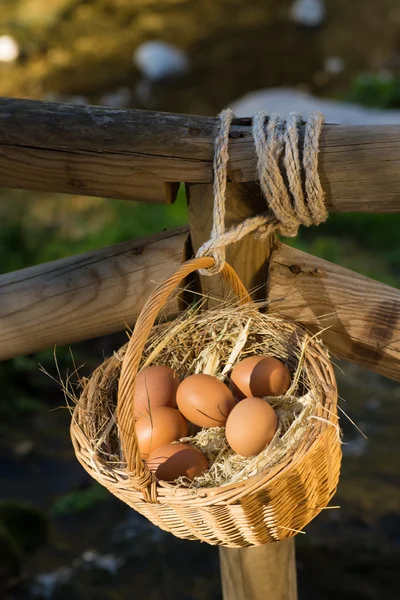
column 142, row 155
column 361, row 317
column 84, row 296
column 102, row 291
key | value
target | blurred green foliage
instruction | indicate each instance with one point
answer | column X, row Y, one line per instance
column 366, row 243
column 80, row 500
column 37, row 228
column 380, row 90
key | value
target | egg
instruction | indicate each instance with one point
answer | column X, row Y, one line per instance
column 163, row 426
column 204, row 400
column 251, row 426
column 154, row 387
column 259, row 376
column 177, row 460
column 241, row 374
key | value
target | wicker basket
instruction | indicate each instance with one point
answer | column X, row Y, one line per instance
column 266, row 507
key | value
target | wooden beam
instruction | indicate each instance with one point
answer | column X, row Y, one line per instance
column 141, row 155
column 99, row 292
column 249, row 257
column 84, row 296
column 362, row 316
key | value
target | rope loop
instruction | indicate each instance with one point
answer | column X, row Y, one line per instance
column 288, row 179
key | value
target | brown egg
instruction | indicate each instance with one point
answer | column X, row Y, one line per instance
column 165, row 425
column 251, row 426
column 240, row 376
column 270, row 377
column 259, row 376
column 154, row 387
column 204, row 400
column 177, row 460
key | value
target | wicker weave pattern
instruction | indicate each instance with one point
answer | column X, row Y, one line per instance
column 267, row 507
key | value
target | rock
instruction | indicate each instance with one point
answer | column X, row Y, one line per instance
column 158, row 60
column 334, row 65
column 78, row 100
column 390, row 525
column 92, row 559
column 61, row 582
column 11, row 557
column 309, row 13
column 46, row 585
column 23, row 448
column 26, row 525
column 119, row 98
column 286, row 100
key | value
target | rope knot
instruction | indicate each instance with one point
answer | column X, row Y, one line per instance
column 294, row 197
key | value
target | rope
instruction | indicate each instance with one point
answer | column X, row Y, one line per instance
column 299, row 202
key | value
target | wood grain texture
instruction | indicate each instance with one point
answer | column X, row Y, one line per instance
column 247, row 574
column 263, row 573
column 84, row 296
column 137, row 155
column 362, row 316
column 249, row 256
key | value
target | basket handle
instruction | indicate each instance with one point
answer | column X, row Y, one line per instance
column 142, row 478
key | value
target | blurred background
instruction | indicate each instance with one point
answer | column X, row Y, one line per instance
column 61, row 535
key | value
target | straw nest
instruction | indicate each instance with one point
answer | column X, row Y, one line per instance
column 213, row 342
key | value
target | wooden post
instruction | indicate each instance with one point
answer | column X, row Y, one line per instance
column 242, row 201
column 266, row 572
column 263, row 573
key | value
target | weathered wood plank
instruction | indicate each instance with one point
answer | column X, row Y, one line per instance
column 274, row 561
column 136, row 155
column 258, row 576
column 107, row 175
column 84, row 296
column 362, row 316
